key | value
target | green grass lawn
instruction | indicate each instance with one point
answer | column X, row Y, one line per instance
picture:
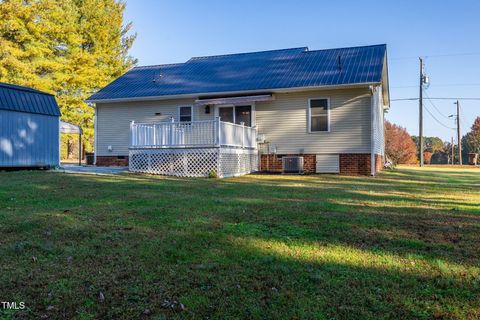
column 403, row 245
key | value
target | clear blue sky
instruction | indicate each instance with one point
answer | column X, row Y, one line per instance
column 174, row 31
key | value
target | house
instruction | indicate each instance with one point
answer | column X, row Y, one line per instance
column 281, row 110
column 29, row 128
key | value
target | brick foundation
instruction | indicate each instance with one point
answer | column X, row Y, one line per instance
column 354, row 164
column 350, row 164
column 379, row 163
column 112, row 161
column 273, row 162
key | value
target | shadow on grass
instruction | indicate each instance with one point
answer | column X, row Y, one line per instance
column 254, row 247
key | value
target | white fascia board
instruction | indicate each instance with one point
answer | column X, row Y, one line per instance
column 196, row 95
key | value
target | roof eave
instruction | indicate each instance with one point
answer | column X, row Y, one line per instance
column 196, row 95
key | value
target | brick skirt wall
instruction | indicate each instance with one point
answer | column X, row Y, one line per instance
column 273, row 163
column 359, row 164
column 379, row 163
column 350, row 164
column 354, row 164
column 112, row 161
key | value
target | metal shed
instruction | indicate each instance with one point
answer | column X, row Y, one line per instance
column 29, row 128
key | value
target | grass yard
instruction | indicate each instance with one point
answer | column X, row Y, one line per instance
column 404, row 245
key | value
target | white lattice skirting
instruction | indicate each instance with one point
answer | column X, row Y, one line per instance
column 194, row 162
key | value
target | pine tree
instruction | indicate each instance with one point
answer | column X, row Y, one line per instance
column 70, row 48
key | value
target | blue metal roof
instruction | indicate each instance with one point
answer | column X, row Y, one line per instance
column 266, row 70
column 23, row 99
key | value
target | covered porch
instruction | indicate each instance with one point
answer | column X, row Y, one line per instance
column 193, row 148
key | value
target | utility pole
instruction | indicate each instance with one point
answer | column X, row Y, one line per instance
column 459, row 138
column 420, row 102
column 453, row 151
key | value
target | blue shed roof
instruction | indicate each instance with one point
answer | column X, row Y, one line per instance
column 23, row 99
column 265, row 70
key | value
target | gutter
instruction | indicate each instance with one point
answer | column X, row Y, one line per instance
column 197, row 95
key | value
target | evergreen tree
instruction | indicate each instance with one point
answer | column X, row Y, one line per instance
column 70, row 48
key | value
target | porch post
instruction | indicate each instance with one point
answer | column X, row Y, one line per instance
column 154, row 134
column 243, row 133
column 218, row 132
column 172, row 120
column 132, row 133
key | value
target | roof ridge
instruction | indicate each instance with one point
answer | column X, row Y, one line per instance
column 158, row 65
column 251, row 52
column 23, row 88
column 260, row 70
column 245, row 53
column 352, row 47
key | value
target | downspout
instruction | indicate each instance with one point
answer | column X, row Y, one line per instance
column 372, row 137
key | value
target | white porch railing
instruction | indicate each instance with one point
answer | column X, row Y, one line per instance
column 209, row 133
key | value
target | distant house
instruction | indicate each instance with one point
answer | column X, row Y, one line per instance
column 29, row 127
column 290, row 110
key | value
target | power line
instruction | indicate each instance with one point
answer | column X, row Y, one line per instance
column 431, row 102
column 443, row 98
column 439, row 55
column 455, row 98
column 438, row 121
column 453, row 55
column 442, row 85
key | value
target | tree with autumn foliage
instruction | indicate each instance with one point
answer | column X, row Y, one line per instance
column 70, row 48
column 472, row 138
column 399, row 146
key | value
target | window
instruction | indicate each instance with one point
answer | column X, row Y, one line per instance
column 226, row 114
column 185, row 114
column 319, row 110
column 236, row 114
column 243, row 114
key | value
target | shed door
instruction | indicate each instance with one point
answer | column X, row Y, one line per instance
column 328, row 163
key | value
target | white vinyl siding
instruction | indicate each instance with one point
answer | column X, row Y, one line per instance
column 284, row 122
column 378, row 130
column 327, row 163
column 113, row 121
column 199, row 113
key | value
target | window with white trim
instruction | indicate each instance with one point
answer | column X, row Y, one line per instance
column 236, row 114
column 319, row 115
column 185, row 114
